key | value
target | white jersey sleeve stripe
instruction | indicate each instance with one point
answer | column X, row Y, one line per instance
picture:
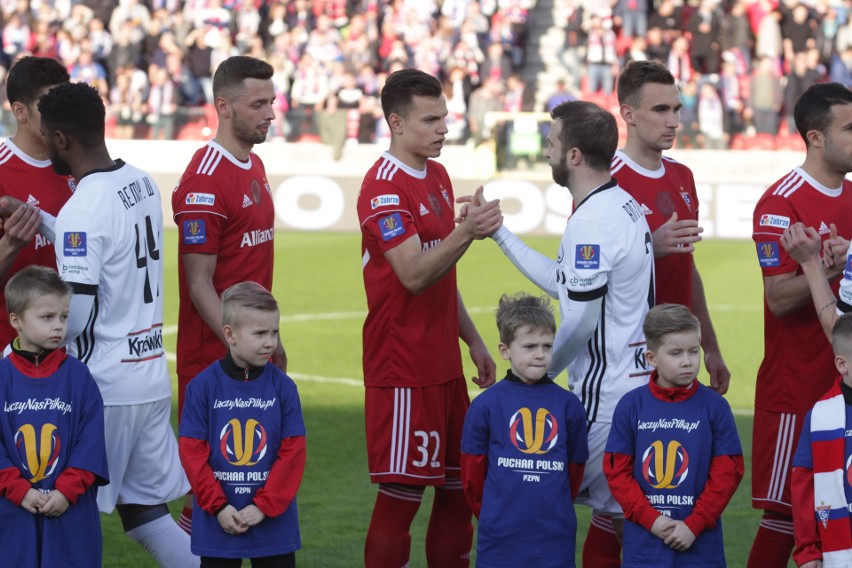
column 593, row 380
column 86, row 340
column 5, row 154
column 785, row 183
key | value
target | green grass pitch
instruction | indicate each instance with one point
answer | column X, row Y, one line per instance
column 319, row 288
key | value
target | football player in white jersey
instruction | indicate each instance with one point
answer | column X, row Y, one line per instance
column 108, row 247
column 603, row 277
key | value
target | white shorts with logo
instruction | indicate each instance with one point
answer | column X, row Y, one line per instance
column 142, row 455
column 594, row 491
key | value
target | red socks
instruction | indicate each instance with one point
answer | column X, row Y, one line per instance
column 185, row 519
column 388, row 540
column 601, row 549
column 774, row 542
column 450, row 534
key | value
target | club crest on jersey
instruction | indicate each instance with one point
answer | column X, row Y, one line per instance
column 72, row 184
column 587, row 257
column 446, row 195
column 767, row 254
column 200, row 199
column 533, row 437
column 780, row 221
column 822, row 511
column 243, row 446
column 665, row 468
column 686, row 199
column 39, row 452
column 194, row 232
column 848, row 272
column 391, row 226
column 75, row 243
column 384, row 200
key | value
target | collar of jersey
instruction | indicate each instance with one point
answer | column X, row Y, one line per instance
column 608, row 185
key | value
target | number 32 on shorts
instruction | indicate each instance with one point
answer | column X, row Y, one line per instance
column 428, row 446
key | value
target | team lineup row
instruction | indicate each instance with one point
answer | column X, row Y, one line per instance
column 241, row 437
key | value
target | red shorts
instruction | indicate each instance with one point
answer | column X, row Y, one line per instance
column 773, row 445
column 414, row 434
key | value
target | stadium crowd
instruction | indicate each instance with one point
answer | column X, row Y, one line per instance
column 740, row 64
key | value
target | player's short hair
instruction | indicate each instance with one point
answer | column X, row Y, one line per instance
column 231, row 73
column 245, row 296
column 75, row 109
column 29, row 75
column 589, row 128
column 33, row 282
column 841, row 335
column 402, row 86
column 515, row 312
column 636, row 75
column 666, row 319
column 813, row 108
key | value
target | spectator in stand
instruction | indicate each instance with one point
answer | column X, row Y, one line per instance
column 765, row 97
column 636, row 52
column 737, row 36
column 601, row 55
column 798, row 29
column 162, row 104
column 769, row 41
column 711, row 118
column 199, row 58
column 561, row 95
column 704, row 28
column 485, row 99
column 801, row 77
column 575, row 41
column 454, row 92
column 657, row 49
column 88, row 71
column 688, row 133
column 667, row 19
column 840, row 70
column 679, row 61
column 731, row 94
column 631, row 16
column 497, row 64
column 126, row 106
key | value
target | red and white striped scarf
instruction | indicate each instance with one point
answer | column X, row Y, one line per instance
column 828, row 447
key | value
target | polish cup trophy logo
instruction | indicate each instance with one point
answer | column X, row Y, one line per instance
column 243, row 446
column 533, row 437
column 665, row 468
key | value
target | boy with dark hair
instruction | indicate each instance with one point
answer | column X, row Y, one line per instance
column 673, row 460
column 524, row 448
column 52, row 453
column 26, row 175
column 412, row 362
column 820, row 487
column 242, row 442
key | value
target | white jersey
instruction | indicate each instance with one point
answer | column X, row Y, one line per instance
column 110, row 235
column 606, row 252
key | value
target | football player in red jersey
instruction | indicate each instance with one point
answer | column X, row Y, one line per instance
column 223, row 209
column 26, row 175
column 815, row 195
column 416, row 394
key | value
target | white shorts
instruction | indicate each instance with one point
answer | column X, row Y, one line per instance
column 142, row 455
column 594, row 491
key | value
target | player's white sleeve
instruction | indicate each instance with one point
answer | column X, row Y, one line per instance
column 79, row 312
column 579, row 320
column 48, row 226
column 540, row 269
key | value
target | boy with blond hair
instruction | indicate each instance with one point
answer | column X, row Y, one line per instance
column 524, row 448
column 242, row 442
column 820, row 486
column 52, row 448
column 673, row 460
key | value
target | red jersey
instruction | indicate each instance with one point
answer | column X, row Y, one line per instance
column 670, row 189
column 795, row 197
column 34, row 182
column 409, row 340
column 222, row 206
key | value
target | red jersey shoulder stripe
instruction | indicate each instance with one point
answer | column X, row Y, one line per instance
column 210, row 161
column 5, row 153
column 788, row 185
column 386, row 170
column 617, row 164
